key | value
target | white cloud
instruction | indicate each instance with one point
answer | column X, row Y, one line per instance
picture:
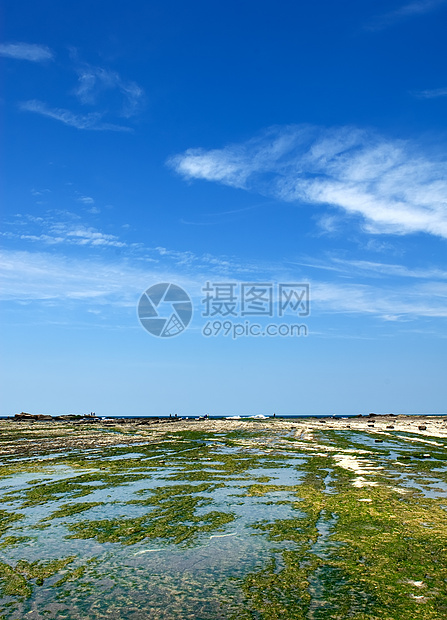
column 26, row 51
column 391, row 186
column 411, row 9
column 92, row 121
column 81, row 235
column 392, row 270
column 51, row 232
column 357, row 287
column 329, row 224
column 92, row 81
column 125, row 100
column 87, row 200
column 407, row 303
column 364, row 270
column 42, row 276
column 235, row 164
column 40, row 192
column 419, row 7
column 431, row 94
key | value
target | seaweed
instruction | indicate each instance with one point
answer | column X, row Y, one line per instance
column 351, row 544
column 21, row 579
column 7, row 519
column 68, row 510
column 379, row 559
column 172, row 518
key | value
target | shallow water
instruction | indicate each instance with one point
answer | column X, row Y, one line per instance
column 213, row 525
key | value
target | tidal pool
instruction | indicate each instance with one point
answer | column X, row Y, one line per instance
column 246, row 520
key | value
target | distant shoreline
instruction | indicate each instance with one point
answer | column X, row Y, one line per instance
column 430, row 432
column 194, row 417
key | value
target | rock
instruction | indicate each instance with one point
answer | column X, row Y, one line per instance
column 31, row 416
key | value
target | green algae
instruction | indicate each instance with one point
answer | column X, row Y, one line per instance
column 159, row 494
column 173, row 518
column 12, row 583
column 131, row 531
column 14, row 541
column 68, row 510
column 72, row 575
column 21, row 579
column 260, row 490
column 7, row 519
column 344, row 440
column 377, row 550
column 333, row 556
column 221, row 466
column 78, row 486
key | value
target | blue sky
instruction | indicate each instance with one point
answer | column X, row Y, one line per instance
column 230, row 143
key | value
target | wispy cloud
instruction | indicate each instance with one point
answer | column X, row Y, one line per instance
column 419, row 7
column 26, row 51
column 329, row 224
column 392, row 186
column 82, row 235
column 40, row 192
column 431, row 94
column 48, row 231
column 387, row 303
column 62, row 258
column 42, row 276
column 86, row 200
column 93, row 120
column 375, row 269
column 394, row 270
column 124, row 98
column 92, row 81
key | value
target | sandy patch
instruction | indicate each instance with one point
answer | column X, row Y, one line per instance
column 359, row 466
column 361, row 482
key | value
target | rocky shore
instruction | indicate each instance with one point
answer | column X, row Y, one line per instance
column 36, row 433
